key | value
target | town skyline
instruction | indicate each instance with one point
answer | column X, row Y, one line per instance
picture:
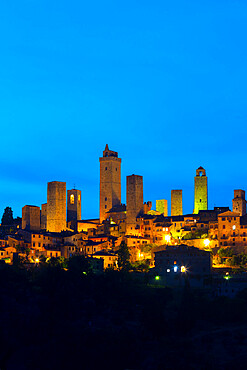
column 185, row 201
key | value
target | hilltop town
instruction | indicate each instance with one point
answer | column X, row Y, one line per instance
column 160, row 242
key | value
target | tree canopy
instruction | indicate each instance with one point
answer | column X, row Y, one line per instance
column 7, row 218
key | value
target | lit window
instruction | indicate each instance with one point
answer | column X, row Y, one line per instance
column 79, row 197
column 72, row 199
column 234, row 227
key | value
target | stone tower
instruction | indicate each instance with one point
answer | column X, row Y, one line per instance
column 31, row 218
column 176, row 203
column 134, row 201
column 73, row 205
column 43, row 218
column 239, row 202
column 161, row 206
column 56, row 206
column 110, row 181
column 200, row 191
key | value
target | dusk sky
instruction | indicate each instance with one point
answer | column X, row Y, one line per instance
column 164, row 83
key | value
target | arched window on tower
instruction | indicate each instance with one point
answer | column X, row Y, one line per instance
column 72, row 199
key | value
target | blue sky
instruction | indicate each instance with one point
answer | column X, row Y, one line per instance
column 163, row 83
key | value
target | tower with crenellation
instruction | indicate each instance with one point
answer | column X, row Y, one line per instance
column 110, row 181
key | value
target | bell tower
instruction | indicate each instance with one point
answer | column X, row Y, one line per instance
column 200, row 190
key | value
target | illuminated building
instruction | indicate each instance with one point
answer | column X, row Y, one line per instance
column 239, row 202
column 162, row 207
column 110, row 181
column 73, row 205
column 56, row 206
column 176, row 203
column 182, row 259
column 134, row 202
column 31, row 218
column 200, row 190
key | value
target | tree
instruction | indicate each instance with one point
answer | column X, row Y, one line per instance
column 7, row 218
column 123, row 257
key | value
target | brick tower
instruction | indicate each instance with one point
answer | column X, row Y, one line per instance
column 176, row 203
column 201, row 190
column 162, row 207
column 73, row 205
column 31, row 218
column 239, row 202
column 56, row 206
column 110, row 181
column 134, row 201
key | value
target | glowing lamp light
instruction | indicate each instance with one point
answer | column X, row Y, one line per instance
column 167, row 238
column 175, row 268
column 206, row 242
column 157, row 277
column 141, row 255
column 168, row 270
column 183, row 269
column 36, row 260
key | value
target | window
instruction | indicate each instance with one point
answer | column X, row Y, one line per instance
column 105, row 198
column 72, row 199
column 105, row 206
column 116, row 169
column 106, row 168
column 233, row 239
column 224, row 226
column 79, row 197
column 223, row 218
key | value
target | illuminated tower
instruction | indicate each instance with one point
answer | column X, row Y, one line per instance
column 31, row 218
column 239, row 202
column 73, row 205
column 110, row 181
column 56, row 206
column 134, row 201
column 176, row 203
column 161, row 207
column 201, row 190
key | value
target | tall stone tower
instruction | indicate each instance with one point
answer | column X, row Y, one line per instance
column 176, row 203
column 73, row 205
column 162, row 207
column 43, row 217
column 31, row 218
column 239, row 202
column 110, row 181
column 201, row 190
column 56, row 206
column 134, row 201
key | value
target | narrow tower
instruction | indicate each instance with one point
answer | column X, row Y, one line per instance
column 110, row 181
column 239, row 202
column 56, row 206
column 134, row 201
column 162, row 207
column 31, row 218
column 73, row 205
column 201, row 190
column 176, row 203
